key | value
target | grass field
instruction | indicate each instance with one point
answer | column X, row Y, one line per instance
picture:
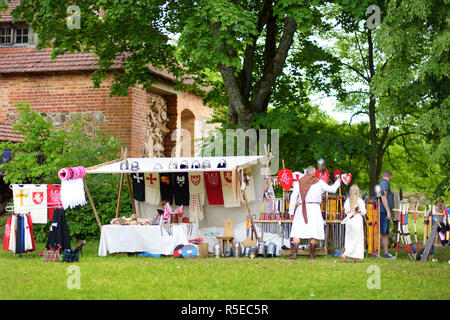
column 133, row 277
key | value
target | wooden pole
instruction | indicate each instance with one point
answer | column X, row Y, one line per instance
column 120, row 195
column 92, row 205
column 131, row 194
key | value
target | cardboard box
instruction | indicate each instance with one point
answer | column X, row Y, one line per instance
column 202, row 250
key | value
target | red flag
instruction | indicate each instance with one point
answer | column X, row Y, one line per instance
column 285, row 178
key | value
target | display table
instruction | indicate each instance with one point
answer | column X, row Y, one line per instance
column 136, row 238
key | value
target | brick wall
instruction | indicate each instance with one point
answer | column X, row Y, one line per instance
column 64, row 96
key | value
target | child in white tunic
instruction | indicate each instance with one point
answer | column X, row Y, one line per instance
column 355, row 209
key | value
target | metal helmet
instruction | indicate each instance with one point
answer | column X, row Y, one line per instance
column 253, row 252
column 237, row 250
column 321, row 165
column 206, row 164
column 216, row 250
column 184, row 164
column 173, row 165
column 228, row 251
column 247, row 251
column 271, row 249
column 378, row 191
column 157, row 166
column 195, row 164
column 262, row 249
column 134, row 166
column 222, row 164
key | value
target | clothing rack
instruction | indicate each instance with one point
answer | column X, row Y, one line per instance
column 48, row 205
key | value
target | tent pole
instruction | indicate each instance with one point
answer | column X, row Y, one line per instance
column 131, row 194
column 120, row 195
column 92, row 205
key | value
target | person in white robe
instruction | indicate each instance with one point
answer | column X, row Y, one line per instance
column 307, row 194
column 355, row 209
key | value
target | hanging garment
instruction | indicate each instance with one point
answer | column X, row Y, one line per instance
column 152, row 193
column 72, row 193
column 22, row 198
column 29, row 245
column 59, row 233
column 138, row 186
column 197, row 196
column 7, row 234
column 213, row 185
column 250, row 188
column 181, row 188
column 166, row 187
column 230, row 199
column 30, row 231
column 12, row 237
column 19, row 236
column 38, row 210
column 53, row 199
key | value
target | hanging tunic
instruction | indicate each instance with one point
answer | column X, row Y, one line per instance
column 314, row 229
column 166, row 187
column 22, row 198
column 53, row 199
column 138, row 186
column 197, row 196
column 38, row 209
column 59, row 233
column 181, row 188
column 7, row 234
column 213, row 185
column 12, row 237
column 354, row 230
column 152, row 193
column 230, row 199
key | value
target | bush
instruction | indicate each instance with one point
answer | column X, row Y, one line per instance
column 46, row 149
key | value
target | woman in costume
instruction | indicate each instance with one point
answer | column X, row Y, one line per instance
column 355, row 209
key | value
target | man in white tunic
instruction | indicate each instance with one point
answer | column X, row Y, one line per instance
column 308, row 222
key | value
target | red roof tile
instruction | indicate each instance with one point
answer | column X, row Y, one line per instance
column 7, row 133
column 6, row 16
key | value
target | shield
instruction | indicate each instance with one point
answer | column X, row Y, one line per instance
column 323, row 176
column 195, row 179
column 178, row 250
column 38, row 197
column 285, row 178
column 346, row 178
column 189, row 251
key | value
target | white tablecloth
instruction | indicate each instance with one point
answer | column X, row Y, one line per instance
column 132, row 238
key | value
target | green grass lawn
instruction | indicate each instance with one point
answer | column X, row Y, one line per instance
column 134, row 277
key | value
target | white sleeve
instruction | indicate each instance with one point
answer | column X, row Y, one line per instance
column 331, row 189
column 362, row 206
column 294, row 198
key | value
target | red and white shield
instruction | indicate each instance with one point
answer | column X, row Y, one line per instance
column 38, row 197
column 195, row 179
column 227, row 176
column 285, row 178
column 346, row 178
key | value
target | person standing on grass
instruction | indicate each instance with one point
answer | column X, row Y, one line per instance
column 386, row 212
column 355, row 209
column 308, row 221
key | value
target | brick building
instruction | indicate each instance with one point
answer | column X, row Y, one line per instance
column 145, row 120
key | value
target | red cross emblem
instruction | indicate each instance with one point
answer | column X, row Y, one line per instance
column 150, row 178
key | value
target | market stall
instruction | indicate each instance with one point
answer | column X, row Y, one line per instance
column 206, row 189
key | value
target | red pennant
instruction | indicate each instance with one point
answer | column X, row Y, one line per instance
column 285, row 178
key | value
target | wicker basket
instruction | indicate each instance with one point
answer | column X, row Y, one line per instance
column 50, row 255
